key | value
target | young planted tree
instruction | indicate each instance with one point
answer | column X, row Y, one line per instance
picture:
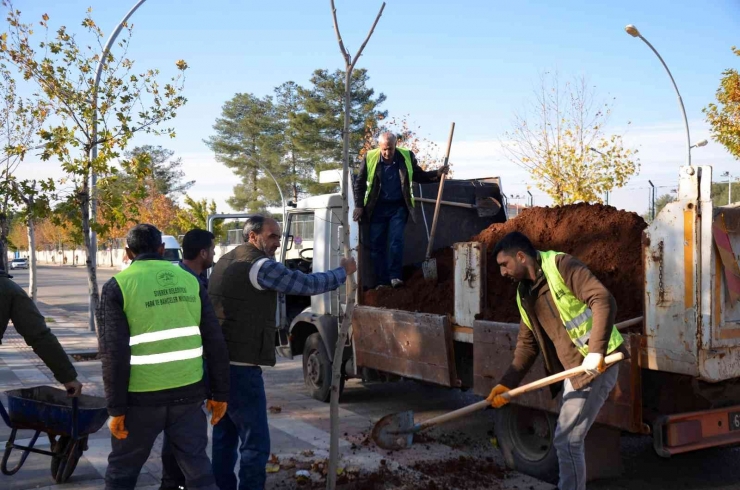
column 724, row 115
column 349, row 64
column 555, row 138
column 20, row 119
column 63, row 67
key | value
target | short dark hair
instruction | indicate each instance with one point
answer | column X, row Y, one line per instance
column 196, row 240
column 253, row 224
column 144, row 238
column 515, row 242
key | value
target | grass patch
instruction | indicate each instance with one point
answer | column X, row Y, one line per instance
column 50, row 320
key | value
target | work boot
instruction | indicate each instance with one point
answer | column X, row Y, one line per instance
column 396, row 283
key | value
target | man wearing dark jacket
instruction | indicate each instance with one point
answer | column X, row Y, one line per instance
column 155, row 324
column 198, row 250
column 568, row 315
column 244, row 290
column 384, row 196
column 16, row 306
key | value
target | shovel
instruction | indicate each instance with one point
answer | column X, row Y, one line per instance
column 429, row 266
column 396, row 431
column 486, row 206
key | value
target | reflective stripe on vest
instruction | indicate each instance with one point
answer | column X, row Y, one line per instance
column 373, row 158
column 162, row 306
column 576, row 316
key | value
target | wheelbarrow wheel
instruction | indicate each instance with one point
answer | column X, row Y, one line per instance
column 63, row 465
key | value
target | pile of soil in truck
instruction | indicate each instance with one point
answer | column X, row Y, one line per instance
column 607, row 240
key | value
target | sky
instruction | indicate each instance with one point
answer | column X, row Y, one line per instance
column 472, row 62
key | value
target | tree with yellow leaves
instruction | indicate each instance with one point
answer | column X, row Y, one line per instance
column 555, row 138
column 724, row 115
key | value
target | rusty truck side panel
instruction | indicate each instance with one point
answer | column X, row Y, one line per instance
column 493, row 351
column 413, row 345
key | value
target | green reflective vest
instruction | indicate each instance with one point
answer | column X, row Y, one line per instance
column 372, row 159
column 575, row 315
column 162, row 305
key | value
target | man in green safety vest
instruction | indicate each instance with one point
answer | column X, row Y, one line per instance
column 384, row 195
column 568, row 315
column 155, row 323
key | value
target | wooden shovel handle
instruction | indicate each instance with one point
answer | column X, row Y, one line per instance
column 535, row 385
column 439, row 195
column 541, row 383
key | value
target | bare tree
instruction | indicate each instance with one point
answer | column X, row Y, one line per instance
column 331, row 477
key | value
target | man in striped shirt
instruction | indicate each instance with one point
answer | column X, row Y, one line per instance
column 244, row 289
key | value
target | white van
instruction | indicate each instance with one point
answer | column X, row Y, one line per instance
column 172, row 251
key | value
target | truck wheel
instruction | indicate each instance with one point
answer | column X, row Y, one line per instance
column 525, row 437
column 317, row 369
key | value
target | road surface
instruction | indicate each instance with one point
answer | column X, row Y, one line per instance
column 66, row 287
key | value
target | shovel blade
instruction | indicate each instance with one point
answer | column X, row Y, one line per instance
column 429, row 267
column 394, row 432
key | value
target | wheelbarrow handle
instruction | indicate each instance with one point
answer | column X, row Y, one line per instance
column 540, row 383
column 4, row 414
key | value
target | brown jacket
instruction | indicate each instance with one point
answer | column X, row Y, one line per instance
column 548, row 335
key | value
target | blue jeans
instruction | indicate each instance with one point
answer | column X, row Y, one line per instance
column 578, row 411
column 387, row 226
column 242, row 432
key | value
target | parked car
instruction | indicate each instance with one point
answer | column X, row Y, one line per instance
column 19, row 263
column 172, row 251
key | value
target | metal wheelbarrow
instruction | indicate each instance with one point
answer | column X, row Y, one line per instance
column 66, row 421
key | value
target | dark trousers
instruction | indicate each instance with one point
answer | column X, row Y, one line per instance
column 387, row 226
column 184, row 425
column 172, row 477
column 243, row 433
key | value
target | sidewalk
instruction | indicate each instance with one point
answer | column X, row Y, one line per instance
column 299, row 425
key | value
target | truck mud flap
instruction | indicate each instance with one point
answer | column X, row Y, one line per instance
column 684, row 432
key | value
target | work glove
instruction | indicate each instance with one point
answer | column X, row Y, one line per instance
column 593, row 364
column 117, row 428
column 443, row 170
column 216, row 409
column 74, row 388
column 495, row 398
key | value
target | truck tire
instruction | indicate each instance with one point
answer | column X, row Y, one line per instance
column 525, row 437
column 317, row 369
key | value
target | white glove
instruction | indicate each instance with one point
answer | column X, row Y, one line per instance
column 594, row 364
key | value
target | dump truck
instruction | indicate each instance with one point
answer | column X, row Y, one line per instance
column 679, row 385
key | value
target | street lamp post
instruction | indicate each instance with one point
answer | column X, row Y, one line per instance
column 94, row 149
column 632, row 31
column 652, row 200
column 729, row 187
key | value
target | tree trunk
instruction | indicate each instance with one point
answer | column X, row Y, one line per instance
column 4, row 231
column 92, row 279
column 32, row 287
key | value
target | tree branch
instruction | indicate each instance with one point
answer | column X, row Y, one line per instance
column 345, row 53
column 369, row 34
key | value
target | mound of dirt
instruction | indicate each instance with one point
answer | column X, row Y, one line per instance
column 607, row 240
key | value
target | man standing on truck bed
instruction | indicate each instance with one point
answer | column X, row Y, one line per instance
column 384, row 195
column 155, row 324
column 244, row 289
column 568, row 315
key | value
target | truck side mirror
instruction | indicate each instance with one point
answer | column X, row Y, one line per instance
column 289, row 245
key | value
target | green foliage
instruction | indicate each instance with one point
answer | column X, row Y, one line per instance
column 195, row 215
column 295, row 135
